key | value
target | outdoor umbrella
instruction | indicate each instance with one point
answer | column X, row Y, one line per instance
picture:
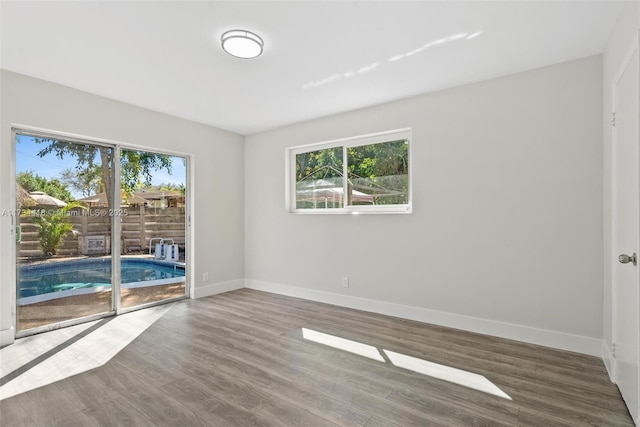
column 43, row 199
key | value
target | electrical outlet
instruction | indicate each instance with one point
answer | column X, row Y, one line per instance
column 345, row 282
column 205, row 276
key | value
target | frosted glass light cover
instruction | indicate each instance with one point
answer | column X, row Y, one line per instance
column 242, row 44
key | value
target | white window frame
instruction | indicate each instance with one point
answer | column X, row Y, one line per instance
column 355, row 141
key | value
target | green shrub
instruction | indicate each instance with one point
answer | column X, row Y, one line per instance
column 54, row 227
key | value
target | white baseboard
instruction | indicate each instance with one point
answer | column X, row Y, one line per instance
column 217, row 288
column 544, row 337
column 607, row 358
column 7, row 336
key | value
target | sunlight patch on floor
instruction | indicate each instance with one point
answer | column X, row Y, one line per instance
column 342, row 344
column 446, row 373
column 89, row 352
column 24, row 350
column 420, row 366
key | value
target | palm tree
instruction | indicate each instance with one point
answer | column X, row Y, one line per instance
column 54, row 226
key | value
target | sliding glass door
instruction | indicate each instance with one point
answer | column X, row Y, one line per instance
column 63, row 253
column 101, row 230
column 153, row 228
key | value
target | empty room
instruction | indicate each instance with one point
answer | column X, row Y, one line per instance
column 319, row 213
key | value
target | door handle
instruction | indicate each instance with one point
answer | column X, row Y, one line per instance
column 625, row 259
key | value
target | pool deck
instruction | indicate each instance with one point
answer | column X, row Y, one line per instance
column 71, row 307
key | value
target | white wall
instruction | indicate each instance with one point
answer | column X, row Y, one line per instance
column 619, row 43
column 217, row 164
column 506, row 234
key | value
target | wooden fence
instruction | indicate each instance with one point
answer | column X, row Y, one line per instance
column 92, row 231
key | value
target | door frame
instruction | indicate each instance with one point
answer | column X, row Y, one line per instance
column 117, row 146
column 633, row 48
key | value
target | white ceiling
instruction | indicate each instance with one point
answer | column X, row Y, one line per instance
column 320, row 58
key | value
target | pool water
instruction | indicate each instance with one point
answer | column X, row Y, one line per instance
column 66, row 275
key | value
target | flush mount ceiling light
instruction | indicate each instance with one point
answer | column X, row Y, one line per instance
column 242, row 44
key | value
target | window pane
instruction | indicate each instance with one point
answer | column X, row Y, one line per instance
column 319, row 183
column 378, row 174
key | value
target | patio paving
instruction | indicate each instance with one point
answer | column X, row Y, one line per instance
column 67, row 308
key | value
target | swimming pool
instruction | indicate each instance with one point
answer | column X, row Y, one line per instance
column 94, row 274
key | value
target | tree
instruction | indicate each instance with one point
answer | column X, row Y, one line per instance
column 53, row 228
column 379, row 169
column 135, row 166
column 363, row 161
column 165, row 186
column 30, row 181
column 84, row 180
column 320, row 164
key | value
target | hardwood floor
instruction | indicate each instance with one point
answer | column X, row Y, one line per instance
column 240, row 359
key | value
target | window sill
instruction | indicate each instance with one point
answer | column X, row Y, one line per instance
column 402, row 210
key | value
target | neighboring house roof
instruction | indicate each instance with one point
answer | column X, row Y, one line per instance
column 137, row 198
column 158, row 195
column 100, row 199
column 23, row 198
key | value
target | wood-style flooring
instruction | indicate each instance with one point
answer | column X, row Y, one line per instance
column 240, row 359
